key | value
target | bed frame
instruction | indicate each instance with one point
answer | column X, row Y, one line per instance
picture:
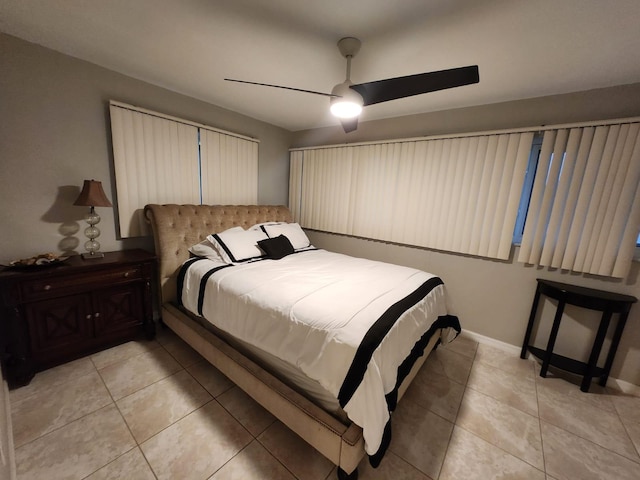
column 177, row 227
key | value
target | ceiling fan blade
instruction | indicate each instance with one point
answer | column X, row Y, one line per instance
column 280, row 86
column 349, row 124
column 401, row 87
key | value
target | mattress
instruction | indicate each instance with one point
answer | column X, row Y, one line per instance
column 284, row 371
column 353, row 327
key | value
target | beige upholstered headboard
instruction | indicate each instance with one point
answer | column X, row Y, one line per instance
column 177, row 227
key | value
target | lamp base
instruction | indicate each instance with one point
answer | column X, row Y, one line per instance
column 91, row 256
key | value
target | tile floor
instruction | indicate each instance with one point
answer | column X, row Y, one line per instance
column 156, row 409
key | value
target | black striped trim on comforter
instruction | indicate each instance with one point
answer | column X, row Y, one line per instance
column 369, row 344
column 372, row 340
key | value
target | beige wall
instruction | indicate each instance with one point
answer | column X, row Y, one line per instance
column 55, row 132
column 493, row 298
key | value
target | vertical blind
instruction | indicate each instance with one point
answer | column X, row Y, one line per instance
column 584, row 212
column 161, row 159
column 229, row 169
column 452, row 194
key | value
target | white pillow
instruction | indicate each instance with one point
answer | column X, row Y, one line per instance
column 258, row 226
column 237, row 245
column 292, row 231
column 206, row 249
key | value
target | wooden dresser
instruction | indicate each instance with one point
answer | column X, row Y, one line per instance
column 54, row 314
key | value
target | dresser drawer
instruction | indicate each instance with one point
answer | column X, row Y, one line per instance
column 64, row 284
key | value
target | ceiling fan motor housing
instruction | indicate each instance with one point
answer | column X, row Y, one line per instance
column 349, row 46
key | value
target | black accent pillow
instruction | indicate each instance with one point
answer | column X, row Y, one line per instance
column 276, row 247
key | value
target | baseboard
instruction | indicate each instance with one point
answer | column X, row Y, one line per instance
column 623, row 386
column 492, row 342
column 613, row 383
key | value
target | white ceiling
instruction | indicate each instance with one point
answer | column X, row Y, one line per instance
column 524, row 48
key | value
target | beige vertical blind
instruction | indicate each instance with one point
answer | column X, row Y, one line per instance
column 156, row 161
column 162, row 159
column 584, row 213
column 229, row 169
column 452, row 194
column 295, row 182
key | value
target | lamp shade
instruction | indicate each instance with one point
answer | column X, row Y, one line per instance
column 92, row 195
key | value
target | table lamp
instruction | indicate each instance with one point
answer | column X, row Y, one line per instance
column 92, row 195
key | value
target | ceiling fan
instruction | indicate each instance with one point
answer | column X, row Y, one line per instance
column 347, row 98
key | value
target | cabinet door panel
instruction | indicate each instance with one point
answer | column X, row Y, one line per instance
column 118, row 308
column 59, row 325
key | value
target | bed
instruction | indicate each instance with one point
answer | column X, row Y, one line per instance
column 288, row 327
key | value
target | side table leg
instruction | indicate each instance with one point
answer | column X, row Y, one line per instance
column 595, row 351
column 615, row 341
column 532, row 316
column 552, row 338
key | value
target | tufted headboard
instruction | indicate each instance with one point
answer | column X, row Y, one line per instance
column 177, row 227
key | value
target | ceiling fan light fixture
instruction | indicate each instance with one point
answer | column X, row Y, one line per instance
column 347, row 103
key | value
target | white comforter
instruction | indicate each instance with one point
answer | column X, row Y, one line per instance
column 313, row 309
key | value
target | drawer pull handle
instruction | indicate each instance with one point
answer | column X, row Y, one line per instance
column 88, row 317
column 97, row 314
column 126, row 274
column 47, row 287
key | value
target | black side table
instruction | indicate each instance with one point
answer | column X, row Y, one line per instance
column 606, row 302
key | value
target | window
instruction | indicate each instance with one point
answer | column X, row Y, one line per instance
column 529, row 176
column 570, row 196
column 584, row 209
column 457, row 194
column 162, row 159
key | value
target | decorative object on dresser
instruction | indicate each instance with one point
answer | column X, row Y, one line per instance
column 92, row 195
column 53, row 315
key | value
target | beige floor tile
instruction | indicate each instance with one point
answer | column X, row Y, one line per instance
column 43, row 381
column 437, row 393
column 471, row 458
column 157, row 406
column 514, row 390
column 210, row 378
column 506, row 361
column 253, row 463
column 197, row 445
column 633, row 429
column 392, row 467
column 585, row 420
column 420, row 437
column 296, row 455
column 130, row 375
column 122, row 352
column 77, row 449
column 130, row 466
column 463, row 345
column 627, row 406
column 62, row 429
column 568, row 385
column 246, row 410
column 506, row 427
column 450, row 364
column 46, row 411
column 569, row 457
column 182, row 351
